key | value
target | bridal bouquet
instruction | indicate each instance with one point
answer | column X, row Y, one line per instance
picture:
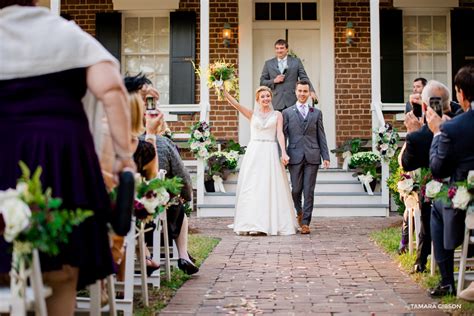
column 200, row 140
column 220, row 73
column 386, row 141
column 155, row 196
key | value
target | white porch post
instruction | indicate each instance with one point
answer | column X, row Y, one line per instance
column 56, row 6
column 376, row 106
column 204, row 91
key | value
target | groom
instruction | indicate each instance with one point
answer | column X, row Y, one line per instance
column 304, row 130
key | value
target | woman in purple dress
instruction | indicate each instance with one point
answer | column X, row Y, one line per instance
column 48, row 66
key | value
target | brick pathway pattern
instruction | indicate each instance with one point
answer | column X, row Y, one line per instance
column 336, row 270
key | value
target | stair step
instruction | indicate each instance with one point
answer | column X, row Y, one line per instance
column 321, row 186
column 341, row 198
column 320, row 210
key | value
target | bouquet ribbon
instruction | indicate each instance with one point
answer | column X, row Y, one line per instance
column 365, row 179
column 218, row 183
column 347, row 157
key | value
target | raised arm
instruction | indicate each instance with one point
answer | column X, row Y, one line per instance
column 242, row 109
column 281, row 139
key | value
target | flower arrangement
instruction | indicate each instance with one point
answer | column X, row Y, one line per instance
column 367, row 162
column 459, row 195
column 33, row 219
column 396, row 172
column 220, row 73
column 405, row 185
column 155, row 196
column 386, row 141
column 231, row 145
column 200, row 140
column 221, row 163
column 347, row 149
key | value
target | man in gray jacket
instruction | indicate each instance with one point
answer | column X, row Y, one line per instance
column 281, row 74
column 304, row 131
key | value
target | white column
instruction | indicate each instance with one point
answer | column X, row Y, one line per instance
column 204, row 91
column 245, row 66
column 376, row 106
column 56, row 6
column 327, row 91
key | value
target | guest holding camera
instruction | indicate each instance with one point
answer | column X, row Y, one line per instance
column 451, row 155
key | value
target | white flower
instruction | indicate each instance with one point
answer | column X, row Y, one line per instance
column 16, row 215
column 207, row 142
column 432, row 188
column 390, row 152
column 382, row 129
column 22, row 188
column 405, row 186
column 234, row 155
column 203, row 153
column 470, row 177
column 384, row 147
column 162, row 196
column 8, row 194
column 197, row 134
column 194, row 145
column 150, row 204
column 461, row 198
column 207, row 133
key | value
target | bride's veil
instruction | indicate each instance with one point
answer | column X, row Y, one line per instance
column 259, row 114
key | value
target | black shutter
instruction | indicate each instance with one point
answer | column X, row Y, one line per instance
column 462, row 41
column 109, row 31
column 391, row 55
column 183, row 51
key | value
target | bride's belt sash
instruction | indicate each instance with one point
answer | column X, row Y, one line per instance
column 264, row 140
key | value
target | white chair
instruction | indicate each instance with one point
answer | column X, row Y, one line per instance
column 465, row 262
column 20, row 298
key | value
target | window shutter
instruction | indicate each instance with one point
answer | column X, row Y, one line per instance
column 109, row 31
column 391, row 54
column 182, row 52
column 462, row 44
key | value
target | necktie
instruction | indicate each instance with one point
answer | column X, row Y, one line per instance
column 303, row 110
column 280, row 65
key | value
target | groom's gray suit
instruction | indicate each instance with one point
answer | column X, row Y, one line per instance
column 306, row 145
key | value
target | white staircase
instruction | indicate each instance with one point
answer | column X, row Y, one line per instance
column 337, row 193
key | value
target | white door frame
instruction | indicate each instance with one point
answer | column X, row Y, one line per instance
column 327, row 82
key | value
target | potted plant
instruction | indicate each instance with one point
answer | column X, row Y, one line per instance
column 231, row 145
column 349, row 148
column 366, row 165
column 219, row 165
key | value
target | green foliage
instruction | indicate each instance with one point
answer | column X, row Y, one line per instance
column 231, row 145
column 49, row 225
column 188, row 209
column 353, row 145
column 392, row 182
column 172, row 185
column 366, row 162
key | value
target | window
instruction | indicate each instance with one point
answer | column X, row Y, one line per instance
column 146, row 49
column 289, row 11
column 425, row 49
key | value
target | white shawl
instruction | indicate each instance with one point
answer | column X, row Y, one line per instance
column 35, row 42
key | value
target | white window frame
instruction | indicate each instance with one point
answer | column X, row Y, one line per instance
column 399, row 107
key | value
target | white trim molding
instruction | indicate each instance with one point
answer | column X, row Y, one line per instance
column 125, row 5
column 426, row 3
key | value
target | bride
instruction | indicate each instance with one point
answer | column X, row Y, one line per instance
column 264, row 204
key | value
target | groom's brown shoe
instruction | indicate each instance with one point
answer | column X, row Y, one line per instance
column 305, row 230
column 300, row 218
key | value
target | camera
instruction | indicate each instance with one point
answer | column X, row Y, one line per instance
column 437, row 105
column 150, row 103
column 417, row 110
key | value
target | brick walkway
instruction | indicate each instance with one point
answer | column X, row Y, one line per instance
column 335, row 270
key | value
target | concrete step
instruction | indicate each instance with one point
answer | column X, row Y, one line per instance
column 320, row 210
column 321, row 186
column 337, row 198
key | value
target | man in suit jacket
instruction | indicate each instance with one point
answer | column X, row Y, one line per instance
column 281, row 74
column 415, row 97
column 415, row 154
column 304, row 130
column 451, row 154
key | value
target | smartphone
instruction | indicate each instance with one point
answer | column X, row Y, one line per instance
column 417, row 110
column 436, row 105
column 150, row 103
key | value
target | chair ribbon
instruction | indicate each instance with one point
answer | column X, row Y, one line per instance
column 218, row 183
column 412, row 204
column 347, row 158
column 365, row 179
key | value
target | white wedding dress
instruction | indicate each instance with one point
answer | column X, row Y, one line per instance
column 264, row 202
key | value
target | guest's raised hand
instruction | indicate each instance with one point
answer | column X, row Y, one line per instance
column 433, row 119
column 152, row 121
column 412, row 123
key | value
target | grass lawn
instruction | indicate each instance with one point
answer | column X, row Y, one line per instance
column 389, row 239
column 199, row 247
